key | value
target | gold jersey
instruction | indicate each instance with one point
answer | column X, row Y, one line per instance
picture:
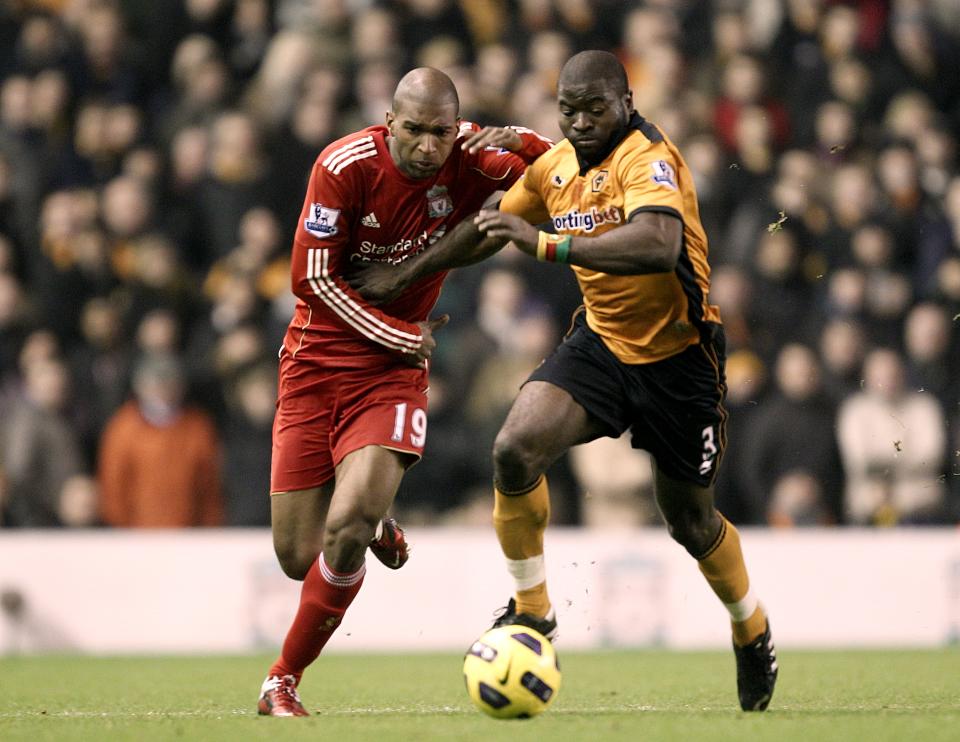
column 642, row 318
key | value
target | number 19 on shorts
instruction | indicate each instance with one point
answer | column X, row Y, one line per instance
column 418, row 425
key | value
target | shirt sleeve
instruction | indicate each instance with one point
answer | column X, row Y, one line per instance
column 524, row 199
column 502, row 166
column 649, row 181
column 321, row 254
column 534, row 144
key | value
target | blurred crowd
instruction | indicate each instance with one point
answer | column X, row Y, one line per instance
column 153, row 161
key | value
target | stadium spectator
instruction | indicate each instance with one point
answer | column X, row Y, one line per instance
column 200, row 82
column 101, row 366
column 252, row 392
column 160, row 461
column 503, row 302
column 892, row 441
column 453, row 455
column 107, row 68
column 494, row 72
column 237, row 179
column 311, row 126
column 744, row 89
column 792, row 435
column 707, row 168
column 923, row 56
column 797, row 499
column 274, row 91
column 617, row 484
column 842, row 346
column 781, row 294
column 732, row 290
column 854, row 201
column 158, row 332
column 932, row 359
column 40, row 450
column 15, row 325
column 180, row 218
column 746, row 391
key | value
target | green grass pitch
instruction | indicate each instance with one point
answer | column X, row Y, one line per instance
column 636, row 695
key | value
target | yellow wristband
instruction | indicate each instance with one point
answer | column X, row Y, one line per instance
column 553, row 248
column 541, row 246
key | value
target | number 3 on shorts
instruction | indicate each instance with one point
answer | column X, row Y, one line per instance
column 418, row 425
column 709, row 450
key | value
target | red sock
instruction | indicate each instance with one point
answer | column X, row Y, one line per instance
column 324, row 599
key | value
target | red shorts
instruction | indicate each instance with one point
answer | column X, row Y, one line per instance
column 324, row 414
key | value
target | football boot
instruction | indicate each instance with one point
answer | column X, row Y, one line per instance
column 279, row 697
column 756, row 672
column 507, row 616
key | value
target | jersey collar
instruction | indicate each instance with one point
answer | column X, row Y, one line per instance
column 636, row 122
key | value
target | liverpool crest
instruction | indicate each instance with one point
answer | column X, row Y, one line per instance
column 439, row 203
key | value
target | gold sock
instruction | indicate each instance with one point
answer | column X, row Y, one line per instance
column 520, row 518
column 747, row 631
column 534, row 601
column 726, row 572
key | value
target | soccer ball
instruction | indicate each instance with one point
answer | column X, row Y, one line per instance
column 512, row 672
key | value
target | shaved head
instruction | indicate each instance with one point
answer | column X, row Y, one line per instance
column 594, row 66
column 426, row 85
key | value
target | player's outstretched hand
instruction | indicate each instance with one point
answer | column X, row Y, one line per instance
column 508, row 226
column 378, row 283
column 492, row 136
column 420, row 358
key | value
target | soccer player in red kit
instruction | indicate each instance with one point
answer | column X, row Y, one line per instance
column 352, row 398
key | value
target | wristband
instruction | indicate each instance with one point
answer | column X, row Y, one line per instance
column 553, row 248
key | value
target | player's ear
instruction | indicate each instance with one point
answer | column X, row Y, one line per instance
column 390, row 118
column 628, row 100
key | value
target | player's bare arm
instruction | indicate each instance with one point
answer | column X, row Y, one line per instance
column 465, row 244
column 649, row 243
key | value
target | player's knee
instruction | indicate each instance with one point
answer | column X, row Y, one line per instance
column 295, row 559
column 346, row 539
column 693, row 533
column 516, row 460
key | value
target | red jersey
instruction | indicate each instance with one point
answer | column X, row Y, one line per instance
column 360, row 207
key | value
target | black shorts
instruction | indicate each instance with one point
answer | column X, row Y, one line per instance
column 673, row 408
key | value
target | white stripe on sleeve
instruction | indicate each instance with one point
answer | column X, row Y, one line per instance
column 349, row 311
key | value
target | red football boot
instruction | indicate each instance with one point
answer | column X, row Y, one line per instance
column 389, row 544
column 279, row 697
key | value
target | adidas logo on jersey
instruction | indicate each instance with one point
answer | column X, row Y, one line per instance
column 370, row 220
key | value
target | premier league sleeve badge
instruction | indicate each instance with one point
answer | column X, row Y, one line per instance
column 322, row 221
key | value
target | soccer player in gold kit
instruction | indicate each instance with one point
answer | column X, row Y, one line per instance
column 645, row 353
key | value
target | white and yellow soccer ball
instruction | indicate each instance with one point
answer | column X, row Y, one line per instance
column 512, row 672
